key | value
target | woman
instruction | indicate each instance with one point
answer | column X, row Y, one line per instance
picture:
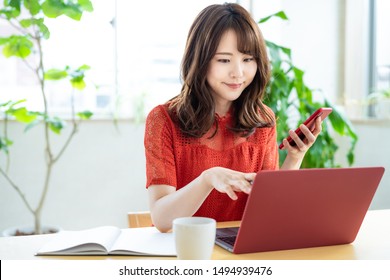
column 204, row 147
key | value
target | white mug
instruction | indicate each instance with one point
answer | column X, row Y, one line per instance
column 194, row 237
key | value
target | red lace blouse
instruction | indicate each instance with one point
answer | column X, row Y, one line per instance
column 176, row 160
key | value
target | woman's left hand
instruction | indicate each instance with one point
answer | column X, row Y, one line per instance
column 302, row 146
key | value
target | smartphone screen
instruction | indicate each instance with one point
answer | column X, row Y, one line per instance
column 310, row 122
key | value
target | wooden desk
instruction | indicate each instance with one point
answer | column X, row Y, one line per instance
column 372, row 242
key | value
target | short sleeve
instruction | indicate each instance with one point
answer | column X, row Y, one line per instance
column 158, row 142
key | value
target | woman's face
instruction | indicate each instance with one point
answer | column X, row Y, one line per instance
column 229, row 72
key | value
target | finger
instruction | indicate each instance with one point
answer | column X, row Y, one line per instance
column 300, row 144
column 286, row 145
column 229, row 191
column 295, row 137
column 317, row 127
column 308, row 134
column 250, row 177
column 241, row 186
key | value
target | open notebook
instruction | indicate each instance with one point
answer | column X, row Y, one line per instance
column 290, row 209
column 109, row 240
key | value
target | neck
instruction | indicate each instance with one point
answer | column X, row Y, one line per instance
column 222, row 109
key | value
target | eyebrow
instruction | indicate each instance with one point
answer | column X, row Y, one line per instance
column 224, row 53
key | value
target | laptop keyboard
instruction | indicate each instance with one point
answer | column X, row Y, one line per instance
column 228, row 239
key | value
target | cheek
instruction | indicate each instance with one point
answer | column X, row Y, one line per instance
column 252, row 70
column 209, row 77
column 214, row 73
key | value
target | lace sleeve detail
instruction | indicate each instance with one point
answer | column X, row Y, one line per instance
column 158, row 142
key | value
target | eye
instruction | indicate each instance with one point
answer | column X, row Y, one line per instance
column 223, row 60
column 249, row 59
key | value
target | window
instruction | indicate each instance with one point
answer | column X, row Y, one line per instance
column 380, row 55
column 367, row 59
column 134, row 50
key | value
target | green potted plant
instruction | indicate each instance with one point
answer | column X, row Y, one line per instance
column 287, row 95
column 27, row 17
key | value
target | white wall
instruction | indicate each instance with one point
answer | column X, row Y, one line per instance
column 312, row 32
column 99, row 179
column 102, row 176
column 371, row 151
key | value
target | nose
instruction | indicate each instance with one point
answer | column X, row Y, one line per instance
column 237, row 70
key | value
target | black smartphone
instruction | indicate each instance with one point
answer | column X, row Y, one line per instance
column 310, row 122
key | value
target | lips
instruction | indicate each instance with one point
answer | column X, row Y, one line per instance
column 233, row 86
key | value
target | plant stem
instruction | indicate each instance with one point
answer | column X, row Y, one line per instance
column 38, row 210
column 48, row 151
column 21, row 194
column 75, row 125
column 67, row 142
column 8, row 157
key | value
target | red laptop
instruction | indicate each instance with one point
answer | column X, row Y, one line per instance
column 291, row 209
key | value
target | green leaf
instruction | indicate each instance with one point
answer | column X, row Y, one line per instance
column 37, row 22
column 5, row 143
column 56, row 8
column 3, row 40
column 78, row 83
column 18, row 102
column 56, row 124
column 277, row 51
column 9, row 14
column 11, row 9
column 23, row 115
column 33, row 6
column 337, row 122
column 85, row 115
column 77, row 80
column 19, row 46
column 44, row 30
column 73, row 11
column 14, row 103
column 53, row 8
column 13, row 3
column 26, row 22
column 55, row 74
column 5, row 104
column 279, row 14
column 83, row 68
column 86, row 5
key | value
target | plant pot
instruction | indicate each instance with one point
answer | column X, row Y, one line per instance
column 28, row 230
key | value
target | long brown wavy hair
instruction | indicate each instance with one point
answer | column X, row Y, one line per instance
column 194, row 108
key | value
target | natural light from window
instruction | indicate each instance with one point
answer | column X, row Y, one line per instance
column 134, row 50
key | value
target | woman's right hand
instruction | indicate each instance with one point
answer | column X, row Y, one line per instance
column 228, row 181
column 167, row 203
